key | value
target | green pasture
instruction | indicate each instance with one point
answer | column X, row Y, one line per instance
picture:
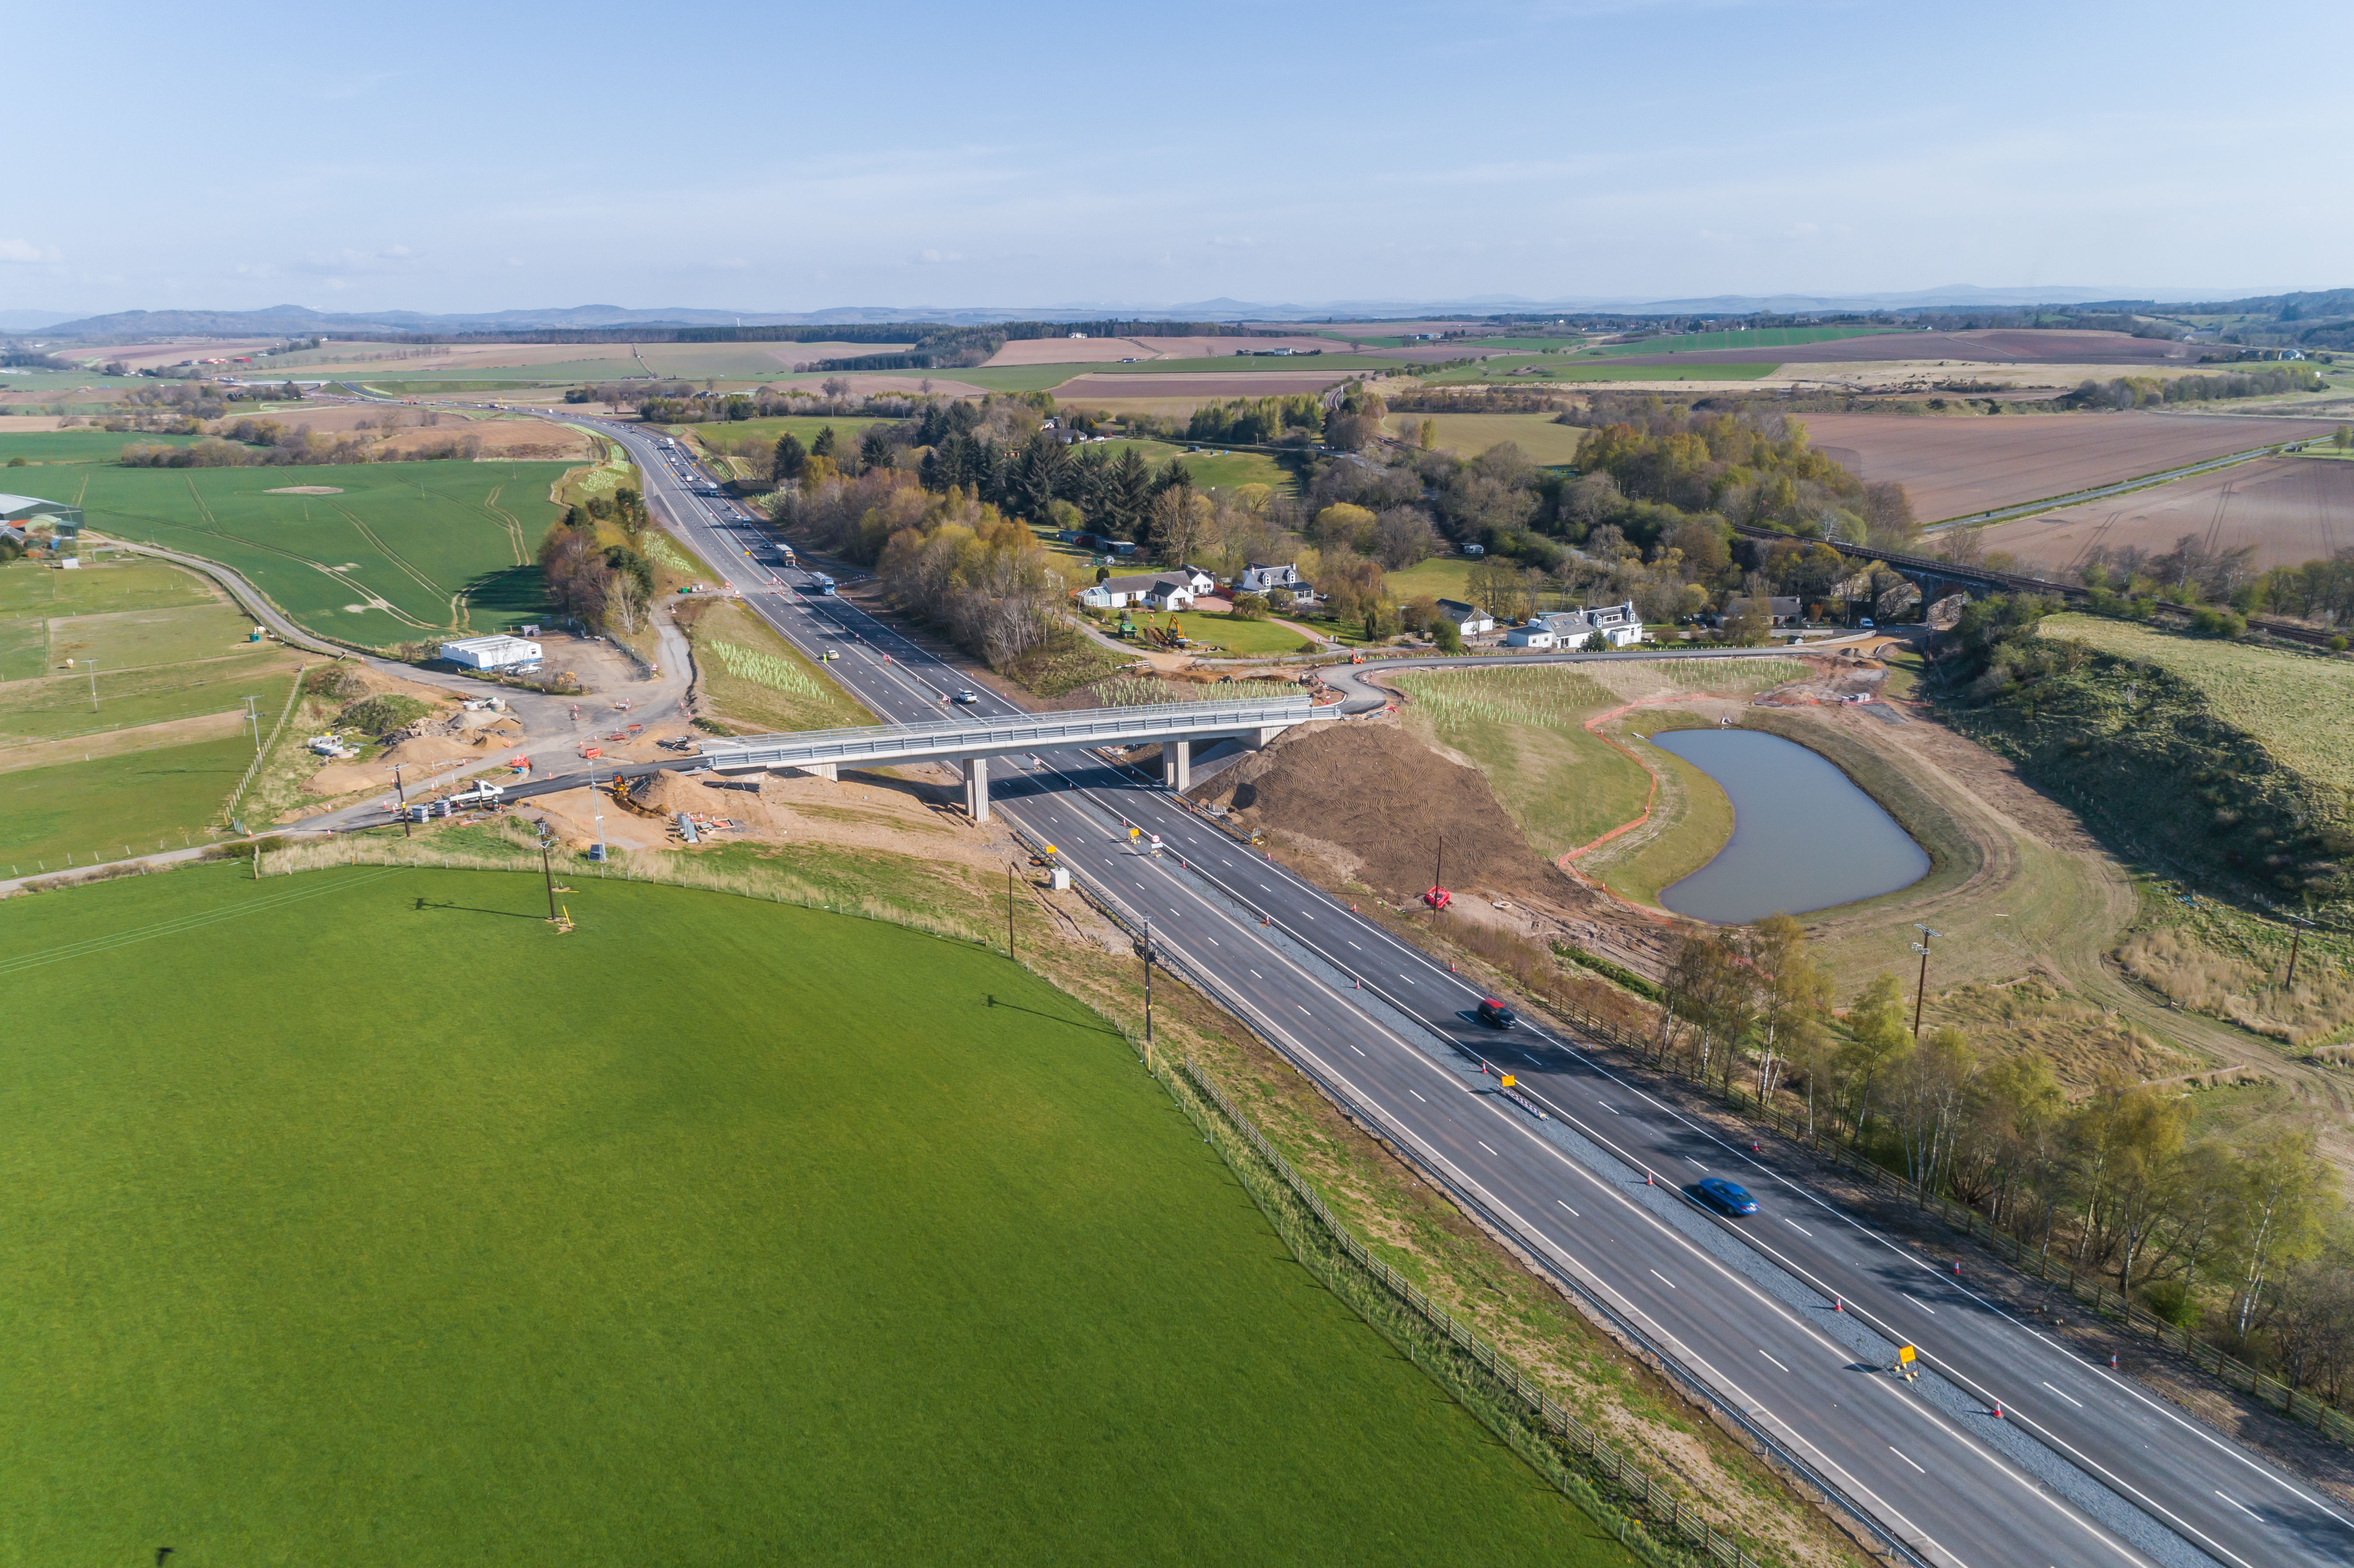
column 23, row 647
column 47, row 381
column 36, row 589
column 1469, row 435
column 445, row 545
column 1745, row 337
column 1441, row 577
column 1215, row 468
column 700, row 1234
column 127, row 638
column 72, row 446
column 59, row 704
column 1213, row 632
column 132, row 802
column 1554, row 367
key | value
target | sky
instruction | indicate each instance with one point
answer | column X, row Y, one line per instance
column 766, row 157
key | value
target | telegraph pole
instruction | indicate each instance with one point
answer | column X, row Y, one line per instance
column 1148, row 985
column 402, row 797
column 1009, row 908
column 2294, row 938
column 93, row 685
column 547, row 870
column 1921, row 990
column 252, row 713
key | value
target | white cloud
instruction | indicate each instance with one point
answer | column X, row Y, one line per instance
column 937, row 258
column 25, row 250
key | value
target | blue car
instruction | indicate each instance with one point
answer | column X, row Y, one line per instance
column 1726, row 1197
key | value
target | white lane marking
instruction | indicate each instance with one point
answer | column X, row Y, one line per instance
column 1572, row 1212
column 1305, row 1011
column 1352, row 1045
column 1900, row 1453
column 1921, row 1304
column 1482, row 1143
column 1207, row 937
column 1695, row 1162
column 1352, row 944
column 1417, row 1096
column 1663, row 1279
column 2244, row 1508
column 1606, row 1105
column 1797, row 1226
column 2077, row 1403
column 1254, row 974
column 1771, row 1359
column 1263, row 887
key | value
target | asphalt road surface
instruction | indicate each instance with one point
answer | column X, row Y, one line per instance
column 2081, row 1467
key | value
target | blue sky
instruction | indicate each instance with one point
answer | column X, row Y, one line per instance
column 783, row 157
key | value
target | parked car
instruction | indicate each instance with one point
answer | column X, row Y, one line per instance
column 1865, row 624
column 1725, row 1197
column 1495, row 1015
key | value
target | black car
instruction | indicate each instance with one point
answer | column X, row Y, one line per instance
column 1725, row 1197
column 1496, row 1015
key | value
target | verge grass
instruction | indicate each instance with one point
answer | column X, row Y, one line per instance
column 405, row 549
column 1215, row 631
column 750, row 674
column 751, row 1250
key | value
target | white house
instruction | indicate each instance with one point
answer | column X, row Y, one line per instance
column 1469, row 618
column 1159, row 591
column 1535, row 636
column 1200, row 581
column 1570, row 629
column 1262, row 580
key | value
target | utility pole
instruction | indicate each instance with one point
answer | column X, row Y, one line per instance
column 1148, row 985
column 1921, row 990
column 2294, row 938
column 401, row 795
column 252, row 714
column 1009, row 908
column 547, row 870
column 93, row 685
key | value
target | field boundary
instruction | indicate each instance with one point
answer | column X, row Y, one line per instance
column 261, row 754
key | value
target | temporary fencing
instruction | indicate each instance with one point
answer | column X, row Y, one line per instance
column 268, row 745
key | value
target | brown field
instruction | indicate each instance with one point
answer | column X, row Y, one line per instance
column 2013, row 345
column 2292, row 509
column 1066, row 351
column 1137, row 385
column 171, row 351
column 1956, row 466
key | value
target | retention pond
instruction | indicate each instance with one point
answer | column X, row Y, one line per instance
column 1803, row 836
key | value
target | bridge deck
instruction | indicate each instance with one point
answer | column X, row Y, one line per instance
column 955, row 739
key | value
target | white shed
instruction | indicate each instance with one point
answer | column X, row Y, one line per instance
column 496, row 652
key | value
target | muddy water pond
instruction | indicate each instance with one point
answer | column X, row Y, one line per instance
column 1803, row 836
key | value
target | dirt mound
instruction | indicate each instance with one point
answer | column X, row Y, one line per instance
column 431, row 748
column 1384, row 799
column 305, row 490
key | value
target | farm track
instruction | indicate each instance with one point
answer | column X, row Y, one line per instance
column 513, row 523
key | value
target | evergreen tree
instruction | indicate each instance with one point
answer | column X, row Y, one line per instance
column 825, row 444
column 789, row 457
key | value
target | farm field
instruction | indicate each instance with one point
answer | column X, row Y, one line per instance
column 1961, row 465
column 714, row 1269
column 1231, row 363
column 751, row 675
column 1555, row 367
column 1088, row 390
column 80, row 445
column 1735, row 341
column 1999, row 345
column 2292, row 509
column 1213, row 469
column 134, row 802
column 402, row 551
column 1469, row 435
column 2273, row 694
column 733, row 434
column 57, row 705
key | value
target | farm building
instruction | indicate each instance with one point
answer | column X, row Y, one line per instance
column 1780, row 611
column 30, row 513
column 496, row 652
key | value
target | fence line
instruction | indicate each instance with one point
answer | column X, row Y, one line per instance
column 2228, row 1369
column 268, row 745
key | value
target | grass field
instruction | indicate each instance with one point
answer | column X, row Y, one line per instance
column 1211, row 631
column 749, row 674
column 30, row 589
column 2275, row 696
column 1554, row 367
column 133, row 803
column 1751, row 337
column 1469, row 435
column 59, row 705
column 1441, row 577
column 404, row 551
column 752, row 1251
column 70, row 446
column 1213, row 469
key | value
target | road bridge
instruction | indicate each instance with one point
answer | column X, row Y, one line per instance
column 971, row 742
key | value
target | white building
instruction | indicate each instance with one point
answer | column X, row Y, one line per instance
column 1536, row 636
column 496, row 652
column 1469, row 618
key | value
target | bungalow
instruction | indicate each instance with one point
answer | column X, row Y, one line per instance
column 1470, row 619
column 1535, row 635
column 1159, row 591
column 1779, row 610
column 1616, row 624
column 1264, row 580
column 1200, row 581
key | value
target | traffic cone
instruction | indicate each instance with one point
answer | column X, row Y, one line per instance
column 1647, row 1180
column 1838, row 1304
column 2112, row 1363
column 1998, row 1410
column 1958, row 1268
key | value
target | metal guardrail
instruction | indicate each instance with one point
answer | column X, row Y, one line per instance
column 1021, row 732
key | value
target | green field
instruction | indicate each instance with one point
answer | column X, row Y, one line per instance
column 2277, row 696
column 1295, row 363
column 128, row 803
column 59, row 705
column 1554, row 367
column 46, row 381
column 1469, row 435
column 1749, row 337
column 1441, row 577
column 79, row 445
column 1214, row 468
column 405, row 551
column 699, row 1235
column 37, row 590
column 1234, row 636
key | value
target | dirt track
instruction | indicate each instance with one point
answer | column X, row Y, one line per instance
column 1961, row 464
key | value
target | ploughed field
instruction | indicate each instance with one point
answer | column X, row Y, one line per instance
column 1959, row 465
column 2290, row 509
column 358, row 1217
column 1999, row 345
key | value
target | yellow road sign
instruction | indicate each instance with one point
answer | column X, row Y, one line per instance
column 1510, row 1080
column 1904, row 1356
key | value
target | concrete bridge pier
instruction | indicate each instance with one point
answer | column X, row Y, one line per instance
column 825, row 770
column 1177, row 765
column 976, row 788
